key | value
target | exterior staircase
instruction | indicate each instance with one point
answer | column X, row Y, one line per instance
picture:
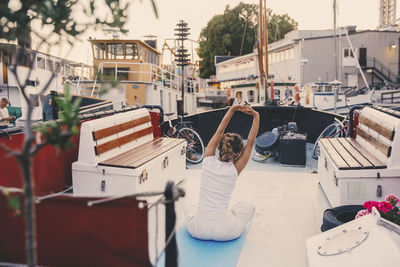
column 380, row 71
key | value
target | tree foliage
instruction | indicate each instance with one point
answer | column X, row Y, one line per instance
column 223, row 33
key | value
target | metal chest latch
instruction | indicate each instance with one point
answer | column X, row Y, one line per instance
column 143, row 176
column 165, row 162
column 335, row 179
column 379, row 191
column 183, row 151
column 103, row 186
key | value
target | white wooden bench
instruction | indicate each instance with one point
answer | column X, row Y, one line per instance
column 353, row 170
column 119, row 156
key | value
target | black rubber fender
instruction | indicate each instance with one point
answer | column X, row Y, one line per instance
column 339, row 215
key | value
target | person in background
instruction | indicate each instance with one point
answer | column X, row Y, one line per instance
column 5, row 118
column 213, row 219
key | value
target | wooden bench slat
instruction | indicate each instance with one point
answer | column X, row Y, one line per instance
column 127, row 156
column 333, row 154
column 146, row 158
column 347, row 157
column 355, row 153
column 378, row 144
column 148, row 151
column 371, row 158
column 377, row 127
column 107, row 146
column 100, row 134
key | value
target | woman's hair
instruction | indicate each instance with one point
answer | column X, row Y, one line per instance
column 230, row 147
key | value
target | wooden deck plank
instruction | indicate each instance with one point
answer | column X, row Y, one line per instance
column 347, row 157
column 371, row 158
column 377, row 127
column 375, row 142
column 333, row 154
column 365, row 163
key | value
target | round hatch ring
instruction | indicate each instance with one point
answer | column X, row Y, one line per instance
column 343, row 241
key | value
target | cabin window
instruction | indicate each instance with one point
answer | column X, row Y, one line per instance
column 40, row 63
column 109, row 74
column 50, row 65
column 24, row 59
column 57, row 67
column 99, row 51
column 141, row 54
column 34, row 100
column 161, row 98
column 148, row 58
column 250, row 96
column 328, row 88
column 131, row 51
column 186, row 105
column 169, row 102
column 115, row 51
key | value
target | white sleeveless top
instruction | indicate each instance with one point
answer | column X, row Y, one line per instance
column 217, row 184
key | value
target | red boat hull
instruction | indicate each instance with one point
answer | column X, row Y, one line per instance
column 69, row 233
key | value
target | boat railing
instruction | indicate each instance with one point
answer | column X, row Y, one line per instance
column 393, row 97
column 146, row 73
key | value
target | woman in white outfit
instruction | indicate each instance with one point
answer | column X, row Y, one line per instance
column 213, row 219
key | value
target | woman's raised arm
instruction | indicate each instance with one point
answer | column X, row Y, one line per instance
column 213, row 144
column 241, row 162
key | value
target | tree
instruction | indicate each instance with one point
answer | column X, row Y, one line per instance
column 58, row 22
column 235, row 33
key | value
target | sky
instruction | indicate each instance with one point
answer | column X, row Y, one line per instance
column 310, row 14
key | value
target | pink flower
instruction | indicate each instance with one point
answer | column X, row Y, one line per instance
column 362, row 213
column 369, row 204
column 392, row 199
column 384, row 206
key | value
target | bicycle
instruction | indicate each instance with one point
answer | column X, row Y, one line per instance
column 335, row 130
column 195, row 147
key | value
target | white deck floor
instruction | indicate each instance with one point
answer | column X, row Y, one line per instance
column 289, row 206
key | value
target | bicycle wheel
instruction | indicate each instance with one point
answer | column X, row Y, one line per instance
column 195, row 146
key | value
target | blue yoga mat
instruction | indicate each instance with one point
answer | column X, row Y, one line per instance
column 199, row 253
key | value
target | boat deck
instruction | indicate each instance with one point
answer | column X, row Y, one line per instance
column 289, row 207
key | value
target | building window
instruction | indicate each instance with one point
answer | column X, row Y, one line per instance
column 347, row 52
column 115, row 51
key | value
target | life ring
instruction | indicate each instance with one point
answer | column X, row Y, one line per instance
column 339, row 215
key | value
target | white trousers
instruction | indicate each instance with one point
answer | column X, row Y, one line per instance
column 219, row 226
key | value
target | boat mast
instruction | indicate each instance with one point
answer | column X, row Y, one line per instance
column 266, row 49
column 335, row 37
column 260, row 47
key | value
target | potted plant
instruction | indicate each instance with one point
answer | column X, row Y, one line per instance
column 388, row 209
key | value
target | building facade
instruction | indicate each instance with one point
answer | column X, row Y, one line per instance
column 308, row 56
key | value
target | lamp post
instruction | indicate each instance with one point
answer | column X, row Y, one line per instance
column 181, row 57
